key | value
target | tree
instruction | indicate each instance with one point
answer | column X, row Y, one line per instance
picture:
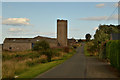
column 87, row 36
column 44, row 48
column 40, row 46
column 49, row 53
column 80, row 40
column 102, row 35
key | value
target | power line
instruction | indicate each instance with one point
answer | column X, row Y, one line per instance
column 113, row 12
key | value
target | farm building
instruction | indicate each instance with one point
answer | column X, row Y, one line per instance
column 21, row 44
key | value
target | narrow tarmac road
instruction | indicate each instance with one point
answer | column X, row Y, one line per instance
column 80, row 66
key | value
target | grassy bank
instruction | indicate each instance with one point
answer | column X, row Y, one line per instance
column 29, row 64
column 85, row 50
column 40, row 68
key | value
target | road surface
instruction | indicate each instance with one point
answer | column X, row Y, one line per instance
column 80, row 66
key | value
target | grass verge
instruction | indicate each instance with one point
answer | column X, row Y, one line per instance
column 85, row 50
column 40, row 68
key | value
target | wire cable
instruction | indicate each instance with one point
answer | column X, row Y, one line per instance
column 113, row 12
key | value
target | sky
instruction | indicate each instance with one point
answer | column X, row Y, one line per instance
column 60, row 0
column 30, row 19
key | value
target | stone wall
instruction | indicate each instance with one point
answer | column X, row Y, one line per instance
column 17, row 46
column 52, row 41
column 62, row 32
column 27, row 44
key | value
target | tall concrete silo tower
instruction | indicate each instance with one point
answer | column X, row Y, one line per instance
column 62, row 33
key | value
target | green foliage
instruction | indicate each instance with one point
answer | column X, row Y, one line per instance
column 80, row 40
column 87, row 36
column 43, row 60
column 6, row 57
column 34, row 55
column 42, row 45
column 49, row 53
column 30, row 63
column 74, row 46
column 113, row 53
column 56, row 52
column 44, row 49
column 90, row 48
column 102, row 51
column 16, row 63
column 66, row 49
column 86, row 51
column 40, row 68
column 102, row 35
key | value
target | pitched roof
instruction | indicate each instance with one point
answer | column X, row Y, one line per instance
column 26, row 40
column 37, row 37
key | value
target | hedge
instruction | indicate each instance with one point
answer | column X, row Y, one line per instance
column 113, row 53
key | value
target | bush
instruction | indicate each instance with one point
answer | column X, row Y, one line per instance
column 44, row 49
column 56, row 52
column 30, row 63
column 102, row 51
column 74, row 46
column 49, row 53
column 66, row 49
column 34, row 61
column 43, row 45
column 34, row 55
column 43, row 60
column 113, row 53
column 90, row 48
column 6, row 56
